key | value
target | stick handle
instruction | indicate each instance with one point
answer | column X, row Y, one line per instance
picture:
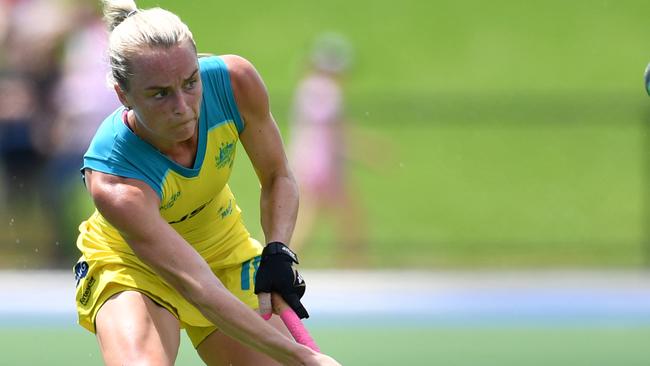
column 292, row 322
column 297, row 329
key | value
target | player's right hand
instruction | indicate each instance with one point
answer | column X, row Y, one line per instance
column 324, row 360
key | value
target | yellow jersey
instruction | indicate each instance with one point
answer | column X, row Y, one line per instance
column 197, row 202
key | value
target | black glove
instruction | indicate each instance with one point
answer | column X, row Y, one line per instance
column 276, row 274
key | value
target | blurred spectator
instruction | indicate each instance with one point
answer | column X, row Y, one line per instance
column 82, row 99
column 53, row 95
column 19, row 161
column 30, row 35
column 319, row 151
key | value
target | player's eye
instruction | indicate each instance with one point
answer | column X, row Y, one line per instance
column 190, row 84
column 161, row 94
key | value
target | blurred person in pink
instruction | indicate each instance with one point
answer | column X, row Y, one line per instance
column 319, row 152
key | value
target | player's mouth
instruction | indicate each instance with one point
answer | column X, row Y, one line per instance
column 185, row 123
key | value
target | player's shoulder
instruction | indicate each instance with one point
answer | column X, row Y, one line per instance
column 236, row 62
column 248, row 92
column 232, row 63
column 116, row 150
column 241, row 70
column 112, row 142
column 113, row 194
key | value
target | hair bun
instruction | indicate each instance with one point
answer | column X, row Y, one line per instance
column 116, row 11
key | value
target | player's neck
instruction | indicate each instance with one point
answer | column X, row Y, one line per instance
column 184, row 153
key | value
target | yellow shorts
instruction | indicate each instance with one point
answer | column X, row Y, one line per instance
column 97, row 281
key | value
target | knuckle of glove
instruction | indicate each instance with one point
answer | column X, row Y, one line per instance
column 273, row 275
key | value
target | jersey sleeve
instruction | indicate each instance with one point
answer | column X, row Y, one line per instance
column 112, row 152
column 218, row 99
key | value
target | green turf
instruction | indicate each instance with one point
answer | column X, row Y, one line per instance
column 383, row 346
column 517, row 132
column 420, row 46
column 468, row 194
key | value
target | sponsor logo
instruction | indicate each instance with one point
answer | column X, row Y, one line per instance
column 191, row 214
column 86, row 294
column 291, row 254
column 226, row 155
column 80, row 271
column 171, row 201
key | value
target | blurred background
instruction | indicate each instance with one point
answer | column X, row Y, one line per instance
column 474, row 175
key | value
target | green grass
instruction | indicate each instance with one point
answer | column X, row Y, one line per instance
column 517, row 131
column 517, row 186
column 570, row 346
column 419, row 46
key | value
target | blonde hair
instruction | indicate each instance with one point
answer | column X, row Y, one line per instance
column 133, row 29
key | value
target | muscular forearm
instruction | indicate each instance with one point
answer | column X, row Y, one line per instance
column 279, row 208
column 235, row 319
column 200, row 287
column 135, row 214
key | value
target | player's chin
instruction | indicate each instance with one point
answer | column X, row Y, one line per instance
column 185, row 130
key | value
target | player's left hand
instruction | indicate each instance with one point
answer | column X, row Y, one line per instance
column 276, row 274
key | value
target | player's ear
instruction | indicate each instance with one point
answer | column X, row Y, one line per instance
column 121, row 95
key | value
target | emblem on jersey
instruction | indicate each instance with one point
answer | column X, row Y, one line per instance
column 80, row 271
column 225, row 211
column 226, row 155
column 171, row 201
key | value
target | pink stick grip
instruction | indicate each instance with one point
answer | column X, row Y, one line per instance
column 297, row 329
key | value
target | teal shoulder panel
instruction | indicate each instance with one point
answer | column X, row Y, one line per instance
column 116, row 150
column 219, row 103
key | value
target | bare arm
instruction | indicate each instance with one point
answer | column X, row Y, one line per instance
column 263, row 144
column 132, row 207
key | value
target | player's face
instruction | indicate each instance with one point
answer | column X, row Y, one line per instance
column 165, row 92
